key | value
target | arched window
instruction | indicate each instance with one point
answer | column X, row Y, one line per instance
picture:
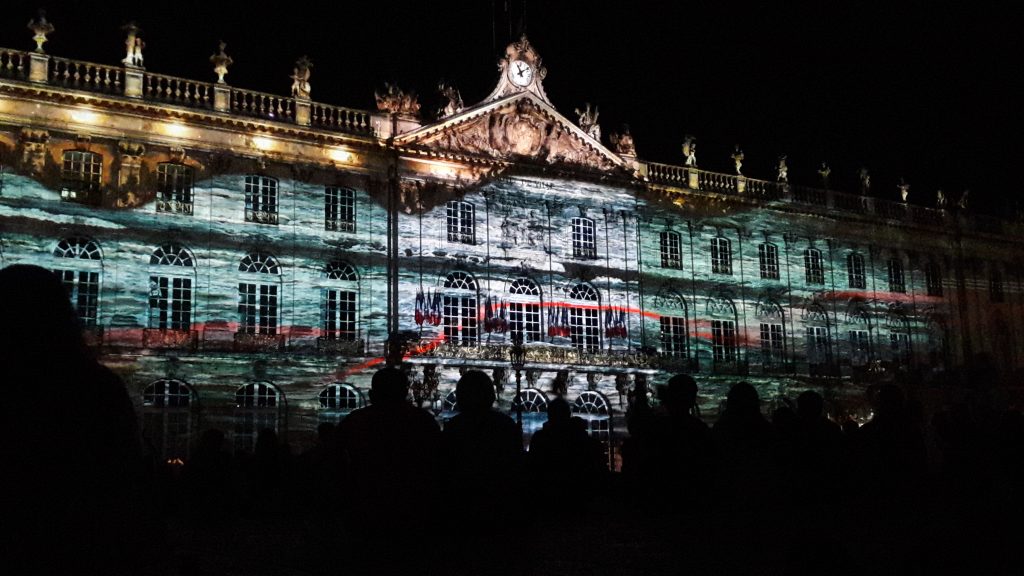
column 671, row 250
column 724, row 342
column 339, row 209
column 584, row 238
column 174, row 187
column 773, row 333
column 768, row 256
column 337, row 400
column 534, row 406
column 79, row 267
column 814, row 266
column 896, row 279
column 461, row 222
column 167, row 417
column 721, row 255
column 258, row 406
column 933, row 278
column 674, row 322
column 340, row 302
column 524, row 309
column 170, row 288
column 594, row 409
column 80, row 176
column 855, row 271
column 584, row 320
column 258, row 300
column 261, row 199
column 459, row 309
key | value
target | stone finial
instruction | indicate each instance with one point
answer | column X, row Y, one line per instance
column 690, row 150
column 588, row 121
column 300, row 78
column 622, row 142
column 220, row 62
column 737, row 158
column 40, row 27
column 904, row 189
column 133, row 45
column 396, row 101
column 824, row 172
column 782, row 170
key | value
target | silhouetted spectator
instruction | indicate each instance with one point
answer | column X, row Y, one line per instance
column 268, row 475
column 208, row 478
column 680, row 447
column 72, row 483
column 746, row 445
column 392, row 452
column 890, row 446
column 563, row 457
column 821, row 455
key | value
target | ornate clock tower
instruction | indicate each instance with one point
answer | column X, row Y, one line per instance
column 521, row 71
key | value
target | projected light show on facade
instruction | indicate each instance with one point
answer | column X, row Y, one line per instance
column 246, row 260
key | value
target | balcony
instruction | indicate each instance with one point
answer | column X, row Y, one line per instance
column 174, row 206
column 163, row 339
column 354, row 347
column 245, row 342
column 261, row 216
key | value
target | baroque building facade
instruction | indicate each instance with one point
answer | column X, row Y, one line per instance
column 246, row 260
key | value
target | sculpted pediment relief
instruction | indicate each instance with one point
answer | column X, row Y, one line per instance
column 522, row 129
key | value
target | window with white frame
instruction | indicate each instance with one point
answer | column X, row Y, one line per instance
column 819, row 350
column 723, row 341
column 261, row 199
column 584, row 320
column 174, row 188
column 338, row 400
column 675, row 338
column 721, row 255
column 897, row 283
column 340, row 302
column 855, row 271
column 899, row 342
column 814, row 266
column 461, row 222
column 80, row 176
column 79, row 266
column 773, row 344
column 257, row 407
column 768, row 257
column 671, row 250
column 460, row 314
column 860, row 347
column 258, row 304
column 167, row 417
column 933, row 278
column 170, row 288
column 995, row 284
column 595, row 410
column 339, row 209
column 524, row 309
column 584, row 238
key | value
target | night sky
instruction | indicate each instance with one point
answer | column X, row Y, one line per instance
column 929, row 92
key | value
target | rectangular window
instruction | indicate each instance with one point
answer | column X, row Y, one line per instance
column 723, row 340
column 818, row 350
column 257, row 307
column 773, row 344
column 721, row 255
column 80, row 176
column 584, row 329
column 671, row 250
column 339, row 321
column 174, row 188
column 170, row 303
column 860, row 347
column 260, row 199
column 900, row 344
column 461, row 226
column 674, row 337
column 933, row 279
column 768, row 254
column 524, row 319
column 896, row 280
column 814, row 267
column 84, row 290
column 460, row 320
column 584, row 238
column 339, row 209
column 855, row 271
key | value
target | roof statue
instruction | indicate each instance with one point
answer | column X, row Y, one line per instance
column 865, row 180
column 396, row 101
column 451, row 94
column 904, row 189
column 588, row 121
column 690, row 150
column 782, row 170
column 300, row 78
column 737, row 158
column 133, row 46
column 940, row 199
column 40, row 28
column 962, row 203
column 824, row 172
column 622, row 142
column 220, row 62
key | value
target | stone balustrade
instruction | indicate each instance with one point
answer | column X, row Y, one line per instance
column 86, row 76
column 13, row 64
column 262, row 105
column 177, row 91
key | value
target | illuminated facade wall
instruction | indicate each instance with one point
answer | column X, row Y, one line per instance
column 235, row 269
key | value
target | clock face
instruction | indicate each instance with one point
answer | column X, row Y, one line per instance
column 520, row 73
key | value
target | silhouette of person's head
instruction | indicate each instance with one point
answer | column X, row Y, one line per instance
column 38, row 315
column 890, row 401
column 389, row 387
column 743, row 400
column 680, row 394
column 266, row 442
column 558, row 411
column 810, row 405
column 474, row 393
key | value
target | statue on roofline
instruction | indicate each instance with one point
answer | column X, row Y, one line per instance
column 940, row 199
column 782, row 169
column 690, row 150
column 622, row 142
column 396, row 101
column 824, row 172
column 865, row 181
column 588, row 121
column 737, row 158
column 904, row 189
column 454, row 105
column 300, row 78
column 133, row 45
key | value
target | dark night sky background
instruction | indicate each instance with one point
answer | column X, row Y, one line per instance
column 924, row 90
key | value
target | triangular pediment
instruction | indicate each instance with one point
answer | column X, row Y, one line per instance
column 520, row 127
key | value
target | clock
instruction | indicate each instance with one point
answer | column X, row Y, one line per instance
column 520, row 73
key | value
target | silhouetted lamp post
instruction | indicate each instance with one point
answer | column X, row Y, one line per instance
column 517, row 357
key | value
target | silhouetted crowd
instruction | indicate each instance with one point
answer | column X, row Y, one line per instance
column 389, row 491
